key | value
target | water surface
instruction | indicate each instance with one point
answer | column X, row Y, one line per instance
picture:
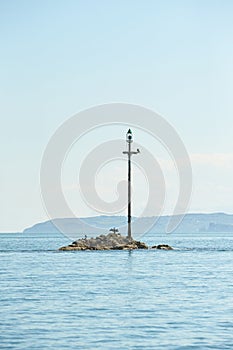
column 181, row 299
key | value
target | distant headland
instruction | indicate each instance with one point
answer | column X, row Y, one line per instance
column 97, row 225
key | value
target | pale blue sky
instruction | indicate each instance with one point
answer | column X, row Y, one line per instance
column 59, row 57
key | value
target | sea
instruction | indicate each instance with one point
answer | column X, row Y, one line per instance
column 179, row 299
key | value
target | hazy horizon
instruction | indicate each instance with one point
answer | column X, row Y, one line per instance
column 125, row 216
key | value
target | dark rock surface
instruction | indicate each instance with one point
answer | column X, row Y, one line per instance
column 162, row 247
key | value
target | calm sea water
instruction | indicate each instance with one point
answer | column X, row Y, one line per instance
column 181, row 299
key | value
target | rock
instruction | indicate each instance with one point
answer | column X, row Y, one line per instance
column 111, row 241
column 162, row 247
column 141, row 245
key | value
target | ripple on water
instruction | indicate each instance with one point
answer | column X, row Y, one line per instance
column 177, row 299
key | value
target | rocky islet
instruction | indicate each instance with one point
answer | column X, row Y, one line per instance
column 111, row 241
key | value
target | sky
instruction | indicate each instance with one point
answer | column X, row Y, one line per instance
column 61, row 57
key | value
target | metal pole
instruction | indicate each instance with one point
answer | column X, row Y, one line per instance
column 129, row 192
column 129, row 140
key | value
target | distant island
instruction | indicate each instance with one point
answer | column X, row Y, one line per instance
column 192, row 223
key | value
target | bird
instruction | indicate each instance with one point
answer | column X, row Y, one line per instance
column 138, row 150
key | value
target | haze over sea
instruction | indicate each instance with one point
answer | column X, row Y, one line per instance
column 181, row 299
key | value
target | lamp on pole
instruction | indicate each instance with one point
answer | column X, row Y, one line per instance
column 129, row 140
